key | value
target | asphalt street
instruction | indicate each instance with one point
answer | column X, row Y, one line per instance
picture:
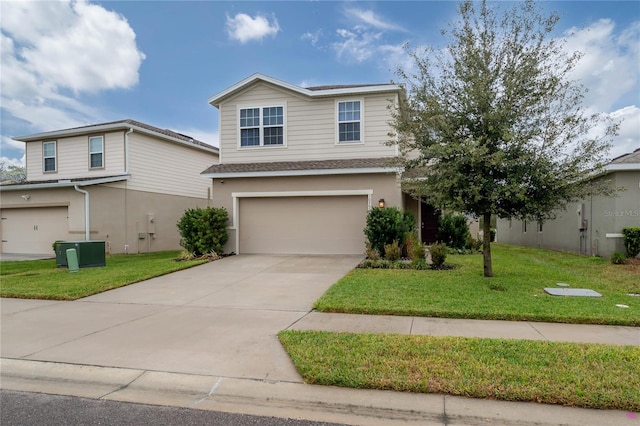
column 27, row 409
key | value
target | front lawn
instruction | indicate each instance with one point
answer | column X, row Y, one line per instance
column 40, row 279
column 514, row 293
column 573, row 374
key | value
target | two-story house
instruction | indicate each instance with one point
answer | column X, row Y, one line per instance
column 123, row 182
column 300, row 167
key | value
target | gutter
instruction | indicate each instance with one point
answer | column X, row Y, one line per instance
column 86, row 212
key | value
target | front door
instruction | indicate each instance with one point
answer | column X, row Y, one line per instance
column 429, row 217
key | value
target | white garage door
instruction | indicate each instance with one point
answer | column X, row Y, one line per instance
column 303, row 225
column 33, row 230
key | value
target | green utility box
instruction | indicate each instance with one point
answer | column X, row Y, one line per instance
column 90, row 253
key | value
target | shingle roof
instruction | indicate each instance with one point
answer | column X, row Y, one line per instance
column 630, row 158
column 124, row 124
column 281, row 166
column 344, row 86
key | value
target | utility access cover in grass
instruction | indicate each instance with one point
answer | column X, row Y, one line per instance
column 583, row 292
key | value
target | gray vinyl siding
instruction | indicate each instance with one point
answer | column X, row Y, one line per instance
column 310, row 127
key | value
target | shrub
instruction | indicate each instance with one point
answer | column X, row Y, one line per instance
column 371, row 253
column 631, row 241
column 453, row 230
column 473, row 244
column 415, row 249
column 618, row 258
column 203, row 230
column 386, row 225
column 392, row 251
column 438, row 254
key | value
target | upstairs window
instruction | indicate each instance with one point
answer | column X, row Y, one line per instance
column 349, row 120
column 262, row 126
column 96, row 152
column 49, row 156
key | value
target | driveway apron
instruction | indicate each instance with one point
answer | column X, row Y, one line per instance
column 217, row 319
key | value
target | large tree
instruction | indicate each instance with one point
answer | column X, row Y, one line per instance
column 10, row 172
column 493, row 123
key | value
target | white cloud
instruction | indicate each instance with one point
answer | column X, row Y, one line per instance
column 609, row 68
column 244, row 28
column 356, row 46
column 66, row 47
column 369, row 17
column 13, row 161
column 628, row 138
column 314, row 38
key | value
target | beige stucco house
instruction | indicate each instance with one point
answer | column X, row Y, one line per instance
column 592, row 226
column 299, row 168
column 123, row 182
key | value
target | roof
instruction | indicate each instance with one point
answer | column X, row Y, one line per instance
column 61, row 183
column 301, row 168
column 311, row 92
column 633, row 158
column 120, row 125
column 625, row 162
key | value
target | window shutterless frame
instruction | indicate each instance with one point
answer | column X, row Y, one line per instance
column 261, row 126
column 49, row 157
column 96, row 152
column 349, row 118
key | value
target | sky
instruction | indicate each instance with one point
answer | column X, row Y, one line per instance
column 72, row 63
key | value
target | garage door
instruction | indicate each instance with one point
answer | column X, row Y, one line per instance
column 33, row 230
column 303, row 225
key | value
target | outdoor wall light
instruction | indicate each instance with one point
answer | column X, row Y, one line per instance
column 381, row 202
column 26, row 197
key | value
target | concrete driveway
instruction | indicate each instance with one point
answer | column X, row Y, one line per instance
column 216, row 319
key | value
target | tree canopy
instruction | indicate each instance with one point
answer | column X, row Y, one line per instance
column 494, row 124
column 10, row 172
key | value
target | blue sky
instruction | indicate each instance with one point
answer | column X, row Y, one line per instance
column 71, row 63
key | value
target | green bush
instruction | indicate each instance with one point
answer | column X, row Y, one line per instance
column 473, row 244
column 631, row 241
column 438, row 254
column 415, row 249
column 371, row 253
column 453, row 230
column 392, row 251
column 618, row 258
column 204, row 230
column 386, row 225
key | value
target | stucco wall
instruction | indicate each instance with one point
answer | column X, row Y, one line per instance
column 117, row 215
column 383, row 185
column 605, row 216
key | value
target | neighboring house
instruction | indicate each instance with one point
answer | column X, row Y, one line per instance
column 123, row 182
column 592, row 226
column 300, row 167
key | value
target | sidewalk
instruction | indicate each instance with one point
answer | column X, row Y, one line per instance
column 206, row 338
column 331, row 404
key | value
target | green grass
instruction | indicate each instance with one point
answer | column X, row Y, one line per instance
column 516, row 292
column 572, row 374
column 40, row 279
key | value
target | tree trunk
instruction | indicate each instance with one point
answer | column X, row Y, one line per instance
column 486, row 244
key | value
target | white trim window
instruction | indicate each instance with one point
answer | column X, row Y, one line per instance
column 49, row 156
column 350, row 121
column 96, row 152
column 262, row 126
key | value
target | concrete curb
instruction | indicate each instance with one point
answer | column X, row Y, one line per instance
column 286, row 399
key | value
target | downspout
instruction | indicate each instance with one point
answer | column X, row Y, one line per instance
column 86, row 212
column 126, row 191
column 126, row 151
